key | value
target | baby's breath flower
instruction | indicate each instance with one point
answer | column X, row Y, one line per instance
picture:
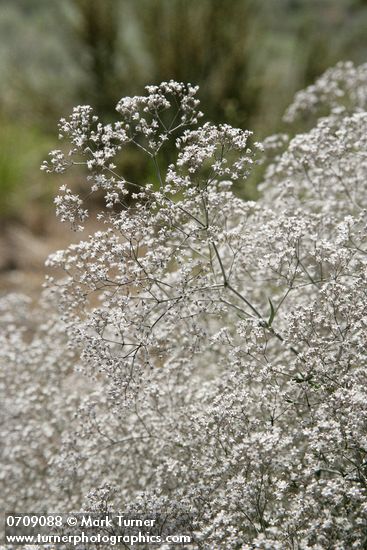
column 202, row 358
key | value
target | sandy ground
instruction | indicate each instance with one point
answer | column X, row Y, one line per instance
column 23, row 252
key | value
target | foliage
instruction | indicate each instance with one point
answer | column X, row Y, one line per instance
column 248, row 63
column 95, row 25
column 223, row 340
column 249, row 55
column 221, row 63
column 17, row 187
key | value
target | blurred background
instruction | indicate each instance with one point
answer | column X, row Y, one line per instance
column 248, row 56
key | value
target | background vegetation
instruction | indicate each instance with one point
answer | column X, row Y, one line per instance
column 248, row 56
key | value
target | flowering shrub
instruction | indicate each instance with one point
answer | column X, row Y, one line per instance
column 222, row 340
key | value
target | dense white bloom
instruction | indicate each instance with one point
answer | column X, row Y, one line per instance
column 223, row 341
column 340, row 90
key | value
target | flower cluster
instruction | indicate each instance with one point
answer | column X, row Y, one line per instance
column 223, row 340
column 146, row 122
column 340, row 90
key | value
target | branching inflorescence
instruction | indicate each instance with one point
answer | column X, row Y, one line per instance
column 223, row 340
